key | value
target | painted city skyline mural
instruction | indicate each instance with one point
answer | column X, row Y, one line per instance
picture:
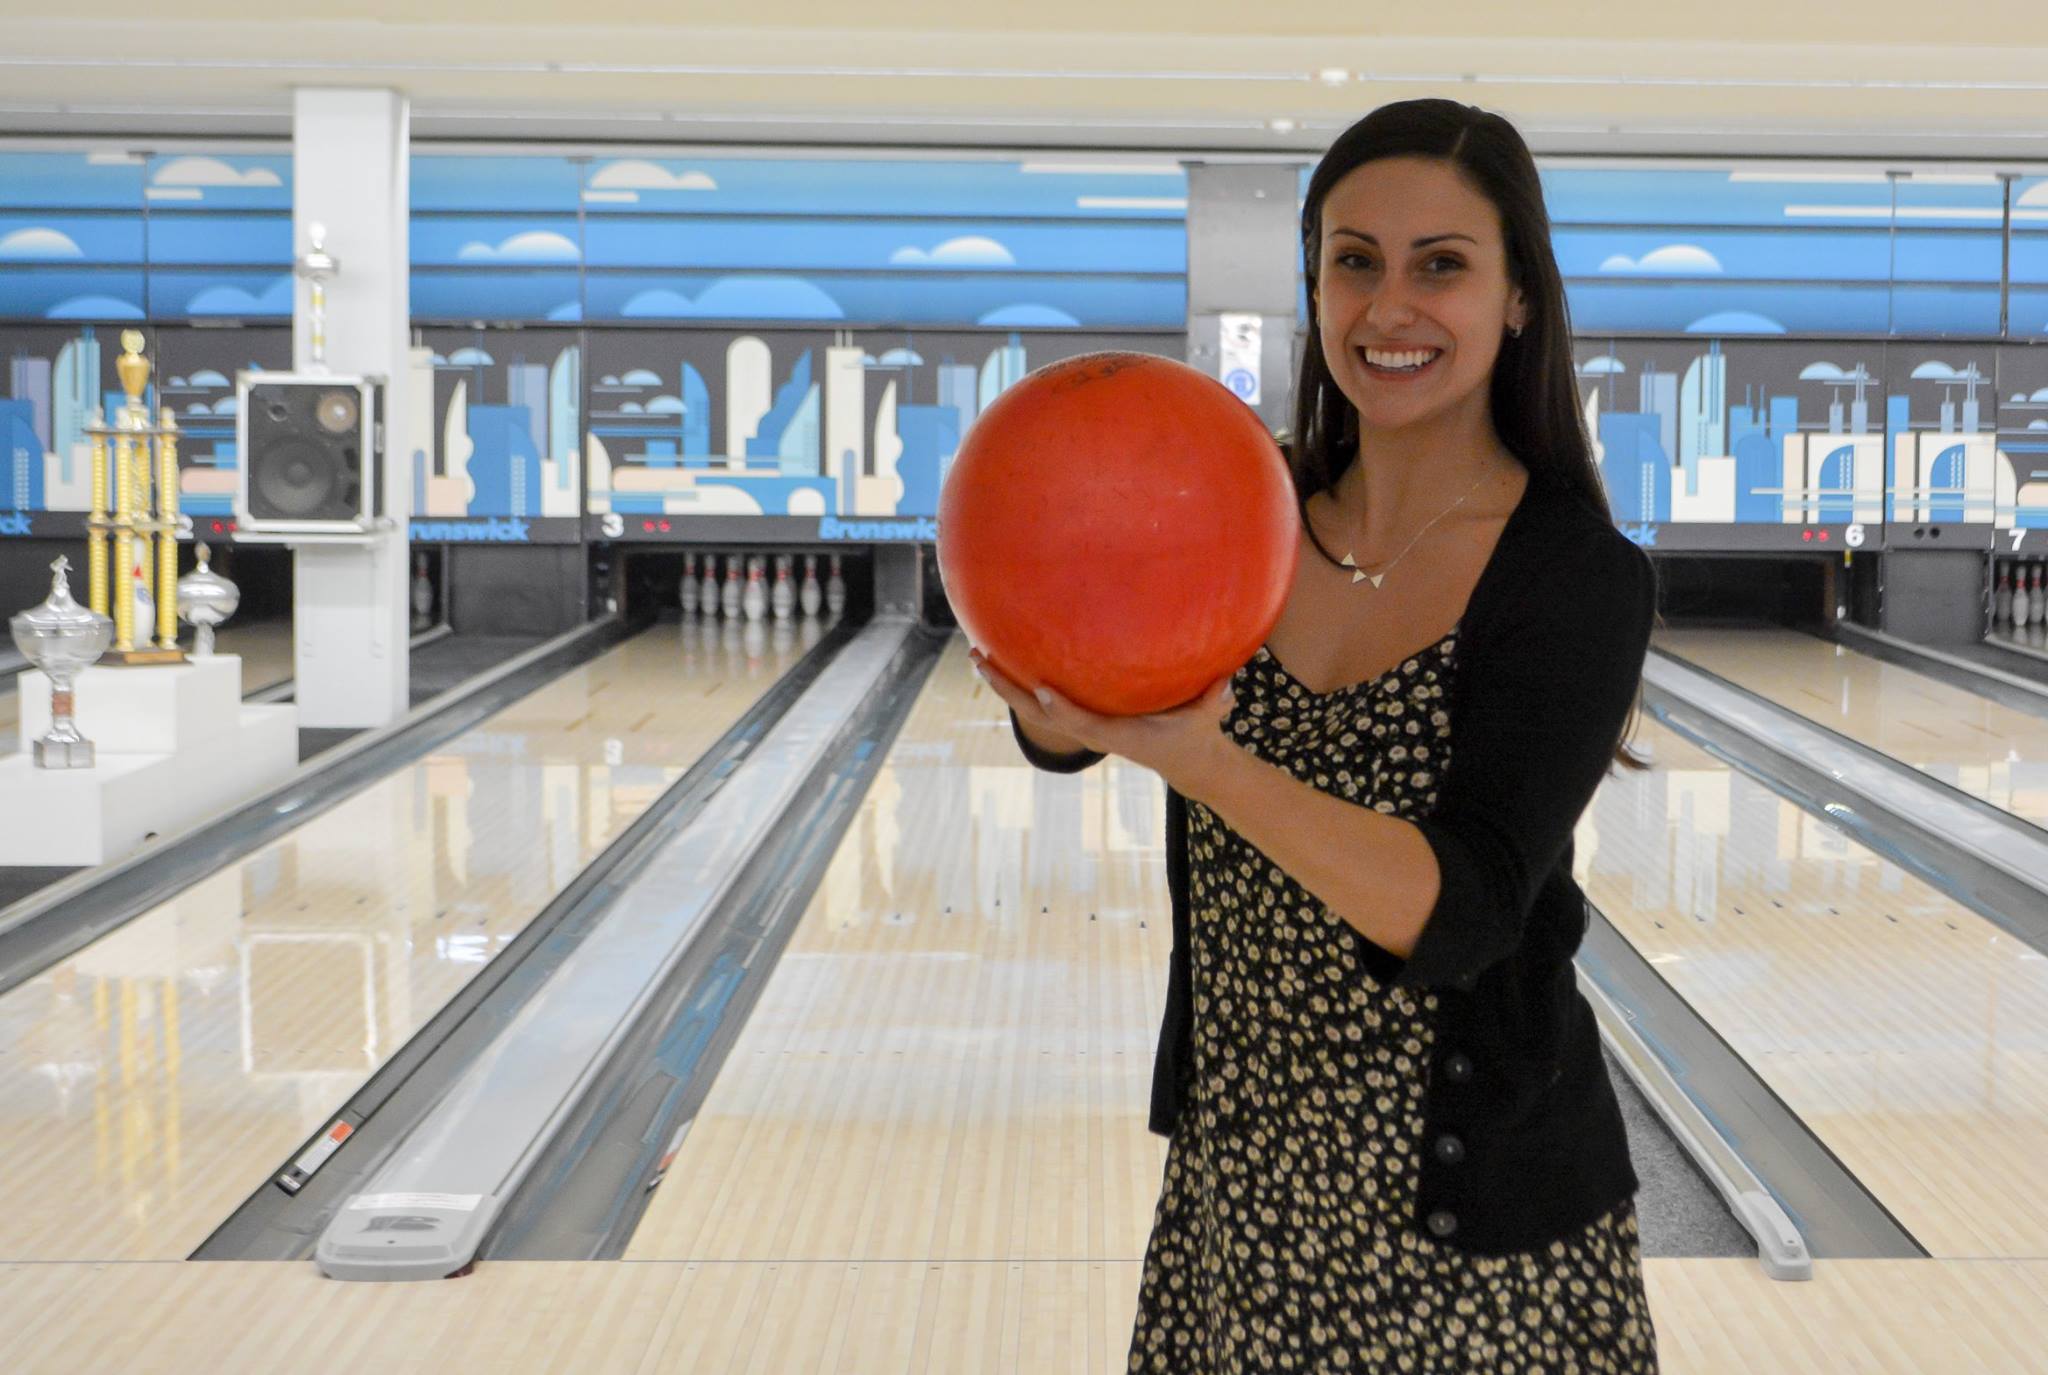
column 811, row 336
column 55, row 378
column 1818, row 432
column 789, row 423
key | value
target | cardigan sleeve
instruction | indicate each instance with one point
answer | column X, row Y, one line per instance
column 1541, row 698
column 1046, row 759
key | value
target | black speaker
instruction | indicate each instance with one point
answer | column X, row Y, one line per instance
column 311, row 450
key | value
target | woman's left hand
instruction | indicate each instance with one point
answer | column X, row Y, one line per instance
column 1185, row 746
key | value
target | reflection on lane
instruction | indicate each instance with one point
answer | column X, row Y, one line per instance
column 153, row 1080
column 950, row 1059
column 1979, row 746
column 1908, row 1033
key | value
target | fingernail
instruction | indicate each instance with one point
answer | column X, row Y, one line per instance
column 1044, row 696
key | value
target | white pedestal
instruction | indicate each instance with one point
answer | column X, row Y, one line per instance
column 174, row 745
column 143, row 710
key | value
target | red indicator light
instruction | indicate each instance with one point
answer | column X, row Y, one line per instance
column 1806, row 535
column 1823, row 537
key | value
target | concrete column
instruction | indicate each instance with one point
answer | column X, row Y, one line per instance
column 1244, row 258
column 350, row 169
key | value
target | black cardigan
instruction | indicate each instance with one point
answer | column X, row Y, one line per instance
column 1523, row 1140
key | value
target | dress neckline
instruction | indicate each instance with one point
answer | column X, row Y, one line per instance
column 1532, row 493
column 1435, row 646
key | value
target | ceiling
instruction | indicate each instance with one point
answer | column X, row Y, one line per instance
column 1595, row 76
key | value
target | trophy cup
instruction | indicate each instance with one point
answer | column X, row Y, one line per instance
column 60, row 637
column 205, row 599
column 145, row 495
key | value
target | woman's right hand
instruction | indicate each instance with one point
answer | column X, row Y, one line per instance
column 1025, row 707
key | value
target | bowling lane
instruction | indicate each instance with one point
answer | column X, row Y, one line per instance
column 951, row 1060
column 1909, row 1034
column 1986, row 749
column 151, row 1082
column 265, row 648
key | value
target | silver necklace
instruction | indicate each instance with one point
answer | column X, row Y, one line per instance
column 1359, row 575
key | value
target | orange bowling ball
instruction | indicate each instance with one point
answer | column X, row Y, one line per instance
column 1120, row 527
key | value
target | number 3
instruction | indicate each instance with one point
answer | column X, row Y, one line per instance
column 614, row 525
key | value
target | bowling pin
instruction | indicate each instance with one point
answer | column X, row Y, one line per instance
column 2001, row 600
column 2022, row 612
column 754, row 601
column 686, row 590
column 707, row 591
column 145, row 611
column 2037, row 601
column 729, row 598
column 835, row 591
column 783, row 600
column 422, row 594
column 811, row 597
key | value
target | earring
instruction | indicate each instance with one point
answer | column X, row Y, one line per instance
column 1514, row 331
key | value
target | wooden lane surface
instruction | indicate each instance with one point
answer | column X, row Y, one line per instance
column 1991, row 751
column 265, row 648
column 150, row 1082
column 951, row 1060
column 1714, row 1317
column 1908, row 1033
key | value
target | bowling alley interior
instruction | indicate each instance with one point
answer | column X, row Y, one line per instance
column 507, row 861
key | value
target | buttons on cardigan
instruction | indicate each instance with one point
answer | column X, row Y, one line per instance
column 1443, row 1222
column 1458, row 1068
column 1450, row 1149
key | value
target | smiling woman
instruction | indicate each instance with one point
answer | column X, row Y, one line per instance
column 1381, row 1086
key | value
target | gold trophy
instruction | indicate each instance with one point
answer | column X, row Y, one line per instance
column 145, row 481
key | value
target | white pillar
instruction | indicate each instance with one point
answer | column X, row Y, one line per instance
column 350, row 155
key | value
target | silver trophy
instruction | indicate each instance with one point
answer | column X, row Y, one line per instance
column 60, row 637
column 205, row 599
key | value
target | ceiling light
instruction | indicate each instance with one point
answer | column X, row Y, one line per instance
column 1104, row 169
column 1282, row 126
column 1333, row 76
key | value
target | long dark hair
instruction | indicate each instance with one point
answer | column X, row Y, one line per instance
column 1534, row 392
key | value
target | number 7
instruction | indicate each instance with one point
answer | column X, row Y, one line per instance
column 2017, row 536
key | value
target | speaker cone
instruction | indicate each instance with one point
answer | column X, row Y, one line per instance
column 298, row 478
column 336, row 411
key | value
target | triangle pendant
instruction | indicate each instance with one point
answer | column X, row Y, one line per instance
column 1359, row 575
